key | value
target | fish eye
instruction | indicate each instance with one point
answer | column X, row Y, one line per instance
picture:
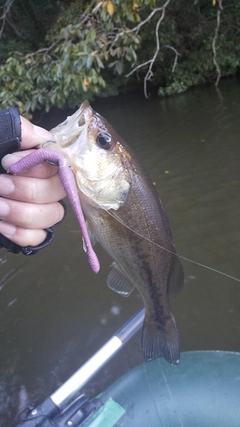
column 104, row 140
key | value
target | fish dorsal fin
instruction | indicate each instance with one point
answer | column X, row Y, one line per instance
column 118, row 281
column 176, row 277
column 91, row 235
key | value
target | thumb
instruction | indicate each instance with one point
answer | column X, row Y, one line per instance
column 33, row 135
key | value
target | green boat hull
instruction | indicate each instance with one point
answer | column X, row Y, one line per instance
column 202, row 391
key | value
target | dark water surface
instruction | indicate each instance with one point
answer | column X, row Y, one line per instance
column 55, row 312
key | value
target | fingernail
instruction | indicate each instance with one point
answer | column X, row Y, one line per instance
column 8, row 230
column 4, row 208
column 9, row 160
column 6, row 186
column 43, row 133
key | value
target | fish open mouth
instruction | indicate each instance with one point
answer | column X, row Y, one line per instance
column 69, row 131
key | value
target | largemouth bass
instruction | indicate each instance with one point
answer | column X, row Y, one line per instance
column 126, row 216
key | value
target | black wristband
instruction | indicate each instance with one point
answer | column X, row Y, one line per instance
column 10, row 132
column 26, row 250
column 31, row 250
column 64, row 212
column 7, row 244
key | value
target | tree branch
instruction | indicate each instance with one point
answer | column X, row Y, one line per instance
column 137, row 28
column 6, row 8
column 150, row 63
column 214, row 42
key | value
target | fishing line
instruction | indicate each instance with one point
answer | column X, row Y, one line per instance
column 173, row 253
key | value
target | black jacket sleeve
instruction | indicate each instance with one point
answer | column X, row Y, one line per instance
column 10, row 141
column 10, row 133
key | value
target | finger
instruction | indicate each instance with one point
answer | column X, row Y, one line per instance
column 32, row 190
column 21, row 236
column 33, row 135
column 44, row 170
column 30, row 215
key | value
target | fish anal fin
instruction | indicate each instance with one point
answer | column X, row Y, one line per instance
column 91, row 235
column 118, row 281
column 161, row 341
column 176, row 276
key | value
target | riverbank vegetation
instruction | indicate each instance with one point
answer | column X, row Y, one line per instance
column 56, row 52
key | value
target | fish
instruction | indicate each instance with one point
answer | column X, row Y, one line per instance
column 125, row 215
column 117, row 205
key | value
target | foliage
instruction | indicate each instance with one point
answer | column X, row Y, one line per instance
column 195, row 65
column 83, row 42
column 69, row 50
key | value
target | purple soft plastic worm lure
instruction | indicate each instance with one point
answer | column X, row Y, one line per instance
column 69, row 184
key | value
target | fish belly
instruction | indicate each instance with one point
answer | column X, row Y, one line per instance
column 144, row 264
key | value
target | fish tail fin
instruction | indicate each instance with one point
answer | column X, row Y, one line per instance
column 161, row 340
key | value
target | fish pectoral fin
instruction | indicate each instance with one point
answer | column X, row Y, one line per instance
column 161, row 340
column 176, row 277
column 118, row 281
column 91, row 235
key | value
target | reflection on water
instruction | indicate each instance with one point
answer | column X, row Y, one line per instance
column 55, row 312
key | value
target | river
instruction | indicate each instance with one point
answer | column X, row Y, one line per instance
column 55, row 312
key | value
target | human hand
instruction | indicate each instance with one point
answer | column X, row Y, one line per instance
column 29, row 202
